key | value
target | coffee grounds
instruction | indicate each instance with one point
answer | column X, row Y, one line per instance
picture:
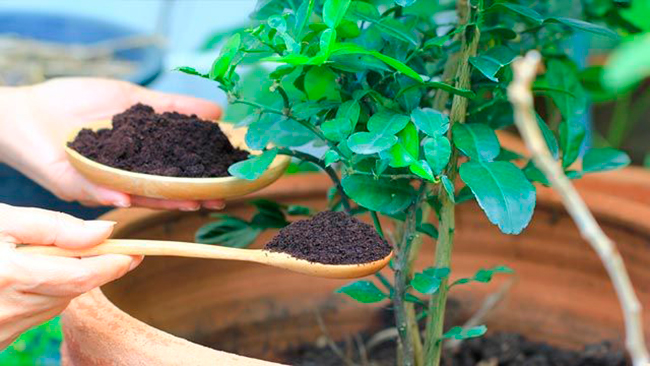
column 169, row 144
column 331, row 238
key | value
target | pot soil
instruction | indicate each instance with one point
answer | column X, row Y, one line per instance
column 165, row 310
column 169, row 144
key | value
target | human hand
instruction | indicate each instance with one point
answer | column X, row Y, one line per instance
column 36, row 288
column 36, row 121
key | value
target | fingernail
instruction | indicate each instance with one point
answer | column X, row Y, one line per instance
column 101, row 224
column 215, row 206
column 122, row 204
column 190, row 209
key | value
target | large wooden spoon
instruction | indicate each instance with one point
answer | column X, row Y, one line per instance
column 192, row 250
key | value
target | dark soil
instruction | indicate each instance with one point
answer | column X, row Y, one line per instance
column 331, row 238
column 169, row 144
column 501, row 349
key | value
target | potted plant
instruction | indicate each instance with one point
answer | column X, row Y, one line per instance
column 405, row 103
column 398, row 103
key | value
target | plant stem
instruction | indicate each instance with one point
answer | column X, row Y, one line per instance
column 435, row 322
column 401, row 261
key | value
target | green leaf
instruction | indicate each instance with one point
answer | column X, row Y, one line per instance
column 190, row 71
column 581, row 25
column 383, row 195
column 334, row 11
column 549, row 137
column 502, row 191
column 327, row 39
column 492, row 61
column 524, row 11
column 465, row 194
column 637, row 13
column 341, row 49
column 438, row 272
column 370, row 143
column 337, row 129
column 425, row 284
column 320, row 83
column 430, row 121
column 405, row 3
column 222, row 63
column 382, row 126
column 254, row 167
column 599, row 160
column 331, row 157
column 572, row 133
column 465, row 333
column 476, row 140
column 350, row 110
column 422, row 169
column 533, row 174
column 280, row 25
column 562, row 75
column 629, row 64
column 364, row 292
column 302, row 17
column 406, row 150
column 229, row 232
column 485, row 275
column 279, row 130
column 428, row 229
column 368, row 13
column 448, row 185
column 296, row 210
column 437, row 151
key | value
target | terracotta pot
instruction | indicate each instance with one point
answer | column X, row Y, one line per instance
column 160, row 313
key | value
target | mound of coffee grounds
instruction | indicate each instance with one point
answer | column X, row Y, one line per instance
column 331, row 238
column 169, row 144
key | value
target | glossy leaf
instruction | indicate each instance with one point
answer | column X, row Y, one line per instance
column 364, row 292
column 337, row 129
column 331, row 157
column 425, row 284
column 448, row 185
column 350, row 110
column 549, row 138
column 190, row 71
column 253, row 167
column 406, row 150
column 422, row 169
column 561, row 75
column 370, row 143
column 485, row 275
column 572, row 133
column 599, row 160
column 229, row 232
column 226, row 56
column 524, row 11
column 437, row 151
column 302, row 16
column 353, row 49
column 360, row 10
column 492, row 61
column 581, row 25
column 430, row 121
column 442, row 86
column 502, row 191
column 334, row 11
column 320, row 83
column 383, row 195
column 405, row 2
column 476, row 140
column 465, row 333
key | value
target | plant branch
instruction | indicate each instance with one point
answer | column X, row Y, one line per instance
column 525, row 70
column 444, row 246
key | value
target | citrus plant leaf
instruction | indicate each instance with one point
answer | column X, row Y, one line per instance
column 600, row 160
column 364, row 292
column 437, row 150
column 572, row 134
column 254, row 167
column 383, row 195
column 430, row 121
column 334, row 11
column 476, row 140
column 502, row 191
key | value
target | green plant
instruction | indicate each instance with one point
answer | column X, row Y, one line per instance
column 404, row 97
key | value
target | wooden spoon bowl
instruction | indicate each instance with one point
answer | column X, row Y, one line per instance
column 174, row 188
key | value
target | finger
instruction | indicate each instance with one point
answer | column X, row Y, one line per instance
column 163, row 102
column 11, row 331
column 77, row 188
column 20, row 225
column 162, row 204
column 68, row 277
column 214, row 204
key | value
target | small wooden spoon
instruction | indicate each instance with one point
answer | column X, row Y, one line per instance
column 174, row 188
column 192, row 250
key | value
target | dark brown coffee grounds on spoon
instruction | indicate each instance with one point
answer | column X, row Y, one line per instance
column 169, row 144
column 331, row 238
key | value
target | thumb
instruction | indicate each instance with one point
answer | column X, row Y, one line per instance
column 41, row 227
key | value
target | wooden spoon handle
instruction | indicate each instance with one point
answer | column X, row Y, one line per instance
column 149, row 248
